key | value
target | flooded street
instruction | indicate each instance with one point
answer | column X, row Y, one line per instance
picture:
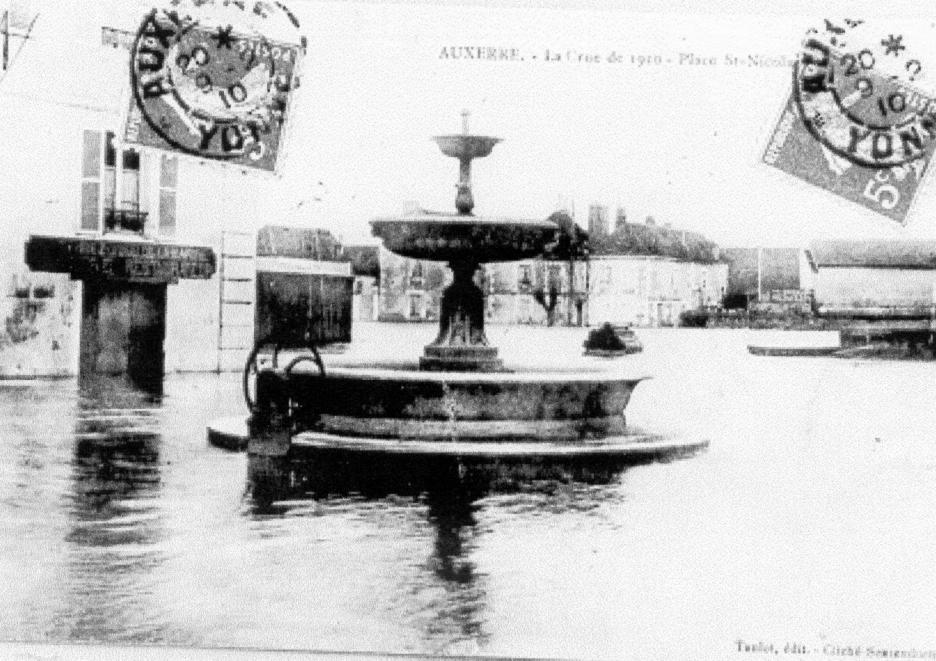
column 809, row 518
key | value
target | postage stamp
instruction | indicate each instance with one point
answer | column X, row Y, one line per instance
column 859, row 121
column 211, row 82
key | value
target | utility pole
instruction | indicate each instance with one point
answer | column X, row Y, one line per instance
column 6, row 39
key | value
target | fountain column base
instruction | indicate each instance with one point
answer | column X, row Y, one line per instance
column 461, row 345
column 460, row 359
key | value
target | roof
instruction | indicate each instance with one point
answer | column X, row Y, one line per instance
column 301, row 242
column 634, row 239
column 874, row 254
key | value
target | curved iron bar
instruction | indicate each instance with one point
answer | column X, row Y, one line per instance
column 252, row 363
column 251, row 366
column 315, row 358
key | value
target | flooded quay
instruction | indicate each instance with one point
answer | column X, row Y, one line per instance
column 808, row 518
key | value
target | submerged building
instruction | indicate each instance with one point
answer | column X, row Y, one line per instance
column 113, row 254
column 410, row 289
column 551, row 289
column 646, row 275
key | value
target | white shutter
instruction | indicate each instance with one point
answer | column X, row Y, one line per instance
column 168, row 181
column 92, row 153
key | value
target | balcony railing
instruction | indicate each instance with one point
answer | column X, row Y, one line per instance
column 126, row 218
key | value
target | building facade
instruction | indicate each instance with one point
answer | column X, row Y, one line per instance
column 365, row 266
column 73, row 180
column 536, row 291
column 410, row 289
column 874, row 278
column 649, row 290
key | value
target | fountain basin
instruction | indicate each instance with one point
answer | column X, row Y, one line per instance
column 408, row 404
column 466, row 147
column 457, row 237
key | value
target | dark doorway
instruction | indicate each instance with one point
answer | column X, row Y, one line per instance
column 123, row 327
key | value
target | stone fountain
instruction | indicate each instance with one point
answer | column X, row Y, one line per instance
column 459, row 400
column 465, row 242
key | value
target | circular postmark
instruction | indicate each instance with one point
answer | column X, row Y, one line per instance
column 860, row 94
column 209, row 80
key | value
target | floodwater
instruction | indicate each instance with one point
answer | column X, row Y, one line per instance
column 809, row 519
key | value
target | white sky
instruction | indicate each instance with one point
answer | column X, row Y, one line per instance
column 679, row 142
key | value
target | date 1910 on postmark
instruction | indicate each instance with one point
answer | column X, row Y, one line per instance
column 858, row 122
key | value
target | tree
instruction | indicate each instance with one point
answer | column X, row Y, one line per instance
column 548, row 301
column 571, row 244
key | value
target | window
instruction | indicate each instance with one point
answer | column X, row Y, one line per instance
column 415, row 307
column 128, row 174
column 555, row 278
column 524, row 277
column 416, row 275
column 110, row 185
column 526, row 310
column 605, row 276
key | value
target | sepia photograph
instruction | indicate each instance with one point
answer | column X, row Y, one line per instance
column 504, row 329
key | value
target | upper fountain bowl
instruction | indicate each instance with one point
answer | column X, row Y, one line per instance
column 455, row 237
column 464, row 147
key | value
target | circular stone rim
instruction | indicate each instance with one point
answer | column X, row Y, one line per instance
column 523, row 376
column 621, row 446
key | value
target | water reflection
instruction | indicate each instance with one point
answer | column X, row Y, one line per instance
column 450, row 495
column 460, row 615
column 111, row 508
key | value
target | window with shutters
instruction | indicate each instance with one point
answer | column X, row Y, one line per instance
column 112, row 198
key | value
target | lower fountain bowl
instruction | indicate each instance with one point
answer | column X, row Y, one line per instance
column 408, row 404
column 396, row 410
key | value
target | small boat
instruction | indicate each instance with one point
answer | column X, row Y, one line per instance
column 610, row 341
column 792, row 351
column 629, row 338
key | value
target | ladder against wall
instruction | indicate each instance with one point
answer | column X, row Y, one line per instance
column 237, row 271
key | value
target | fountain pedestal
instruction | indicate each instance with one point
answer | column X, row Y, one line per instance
column 461, row 345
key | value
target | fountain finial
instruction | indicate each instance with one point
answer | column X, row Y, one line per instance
column 464, row 114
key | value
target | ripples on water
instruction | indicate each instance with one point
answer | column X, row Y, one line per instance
column 811, row 515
